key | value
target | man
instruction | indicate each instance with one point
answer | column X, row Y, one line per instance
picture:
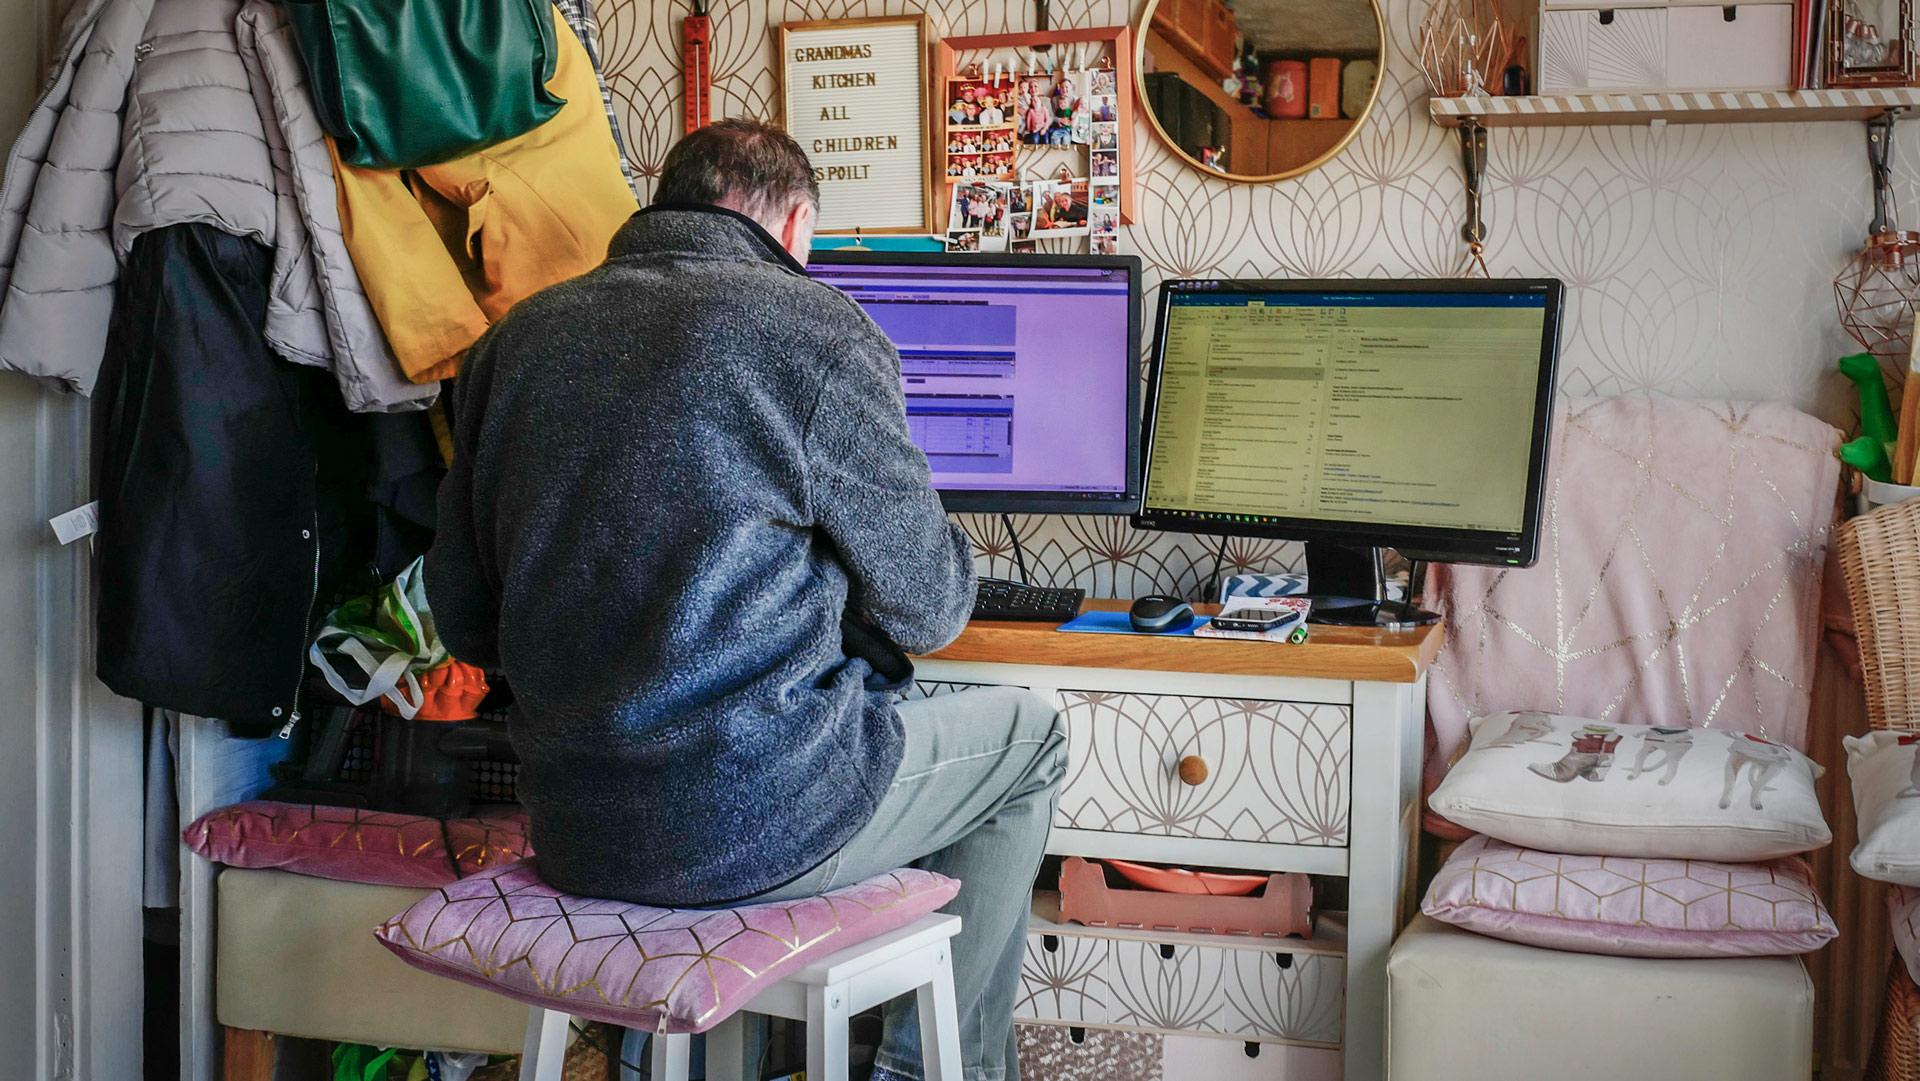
column 673, row 477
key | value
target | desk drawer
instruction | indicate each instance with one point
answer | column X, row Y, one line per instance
column 1052, row 1053
column 1242, row 993
column 1277, row 772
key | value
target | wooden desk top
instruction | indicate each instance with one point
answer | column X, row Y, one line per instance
column 1347, row 653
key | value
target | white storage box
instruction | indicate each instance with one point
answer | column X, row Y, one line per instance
column 1677, row 47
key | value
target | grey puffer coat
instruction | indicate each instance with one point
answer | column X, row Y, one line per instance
column 151, row 120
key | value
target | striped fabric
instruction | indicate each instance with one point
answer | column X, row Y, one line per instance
column 579, row 15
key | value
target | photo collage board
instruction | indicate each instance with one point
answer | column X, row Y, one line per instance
column 990, row 118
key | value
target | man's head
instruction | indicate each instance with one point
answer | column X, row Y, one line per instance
column 750, row 167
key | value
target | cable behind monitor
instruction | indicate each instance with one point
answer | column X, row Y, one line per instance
column 1219, row 564
column 1019, row 556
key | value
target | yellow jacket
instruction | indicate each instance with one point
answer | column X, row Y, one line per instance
column 445, row 250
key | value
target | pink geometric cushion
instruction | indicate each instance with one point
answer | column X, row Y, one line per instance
column 1630, row 907
column 1679, row 577
column 636, row 965
column 348, row 844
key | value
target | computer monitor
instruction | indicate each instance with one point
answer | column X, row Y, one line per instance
column 1353, row 415
column 1020, row 372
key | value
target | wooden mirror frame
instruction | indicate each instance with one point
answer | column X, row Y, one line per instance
column 1144, row 23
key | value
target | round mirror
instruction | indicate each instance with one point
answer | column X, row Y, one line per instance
column 1259, row 90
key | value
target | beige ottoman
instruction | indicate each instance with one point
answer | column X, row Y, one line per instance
column 1463, row 1007
column 296, row 957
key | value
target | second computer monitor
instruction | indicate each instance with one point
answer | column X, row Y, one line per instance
column 1020, row 372
column 1409, row 414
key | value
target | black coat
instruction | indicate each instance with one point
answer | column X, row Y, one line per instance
column 233, row 487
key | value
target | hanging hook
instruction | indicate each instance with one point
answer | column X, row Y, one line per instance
column 1473, row 158
column 1042, row 22
column 1880, row 162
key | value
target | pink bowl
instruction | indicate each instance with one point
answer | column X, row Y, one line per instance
column 1181, row 880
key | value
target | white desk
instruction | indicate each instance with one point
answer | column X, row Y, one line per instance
column 1313, row 755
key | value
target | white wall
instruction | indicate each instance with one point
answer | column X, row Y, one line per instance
column 69, row 752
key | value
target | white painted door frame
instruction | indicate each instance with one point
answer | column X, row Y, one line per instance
column 70, row 752
column 71, row 767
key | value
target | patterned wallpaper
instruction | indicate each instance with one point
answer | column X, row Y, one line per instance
column 1698, row 258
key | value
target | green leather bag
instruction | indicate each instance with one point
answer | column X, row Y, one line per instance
column 404, row 83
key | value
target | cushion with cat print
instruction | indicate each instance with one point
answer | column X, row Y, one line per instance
column 1885, row 770
column 1574, row 785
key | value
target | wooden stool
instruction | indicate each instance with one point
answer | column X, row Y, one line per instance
column 825, row 995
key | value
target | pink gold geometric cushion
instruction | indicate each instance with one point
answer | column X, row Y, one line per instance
column 638, row 965
column 1682, row 544
column 348, row 844
column 1630, row 907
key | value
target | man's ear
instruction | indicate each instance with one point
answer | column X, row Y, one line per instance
column 796, row 232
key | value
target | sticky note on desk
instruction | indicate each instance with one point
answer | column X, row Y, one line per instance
column 1120, row 623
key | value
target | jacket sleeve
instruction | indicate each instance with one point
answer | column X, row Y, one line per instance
column 910, row 569
column 415, row 288
column 461, row 583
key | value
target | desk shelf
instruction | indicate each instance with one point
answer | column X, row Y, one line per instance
column 1675, row 107
column 1329, row 932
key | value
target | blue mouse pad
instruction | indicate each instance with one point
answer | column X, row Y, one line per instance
column 1119, row 623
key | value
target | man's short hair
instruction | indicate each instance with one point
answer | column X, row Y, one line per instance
column 755, row 167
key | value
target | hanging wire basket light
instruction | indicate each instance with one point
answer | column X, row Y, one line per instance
column 1878, row 294
column 1462, row 44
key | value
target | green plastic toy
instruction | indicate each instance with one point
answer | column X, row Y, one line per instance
column 1876, row 412
column 1869, row 456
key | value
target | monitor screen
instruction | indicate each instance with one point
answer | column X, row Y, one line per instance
column 1019, row 372
column 1410, row 414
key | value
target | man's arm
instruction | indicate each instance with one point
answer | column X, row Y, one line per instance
column 459, row 580
column 910, row 569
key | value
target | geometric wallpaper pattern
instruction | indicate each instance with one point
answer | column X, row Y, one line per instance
column 1256, row 994
column 1278, row 770
column 1698, row 258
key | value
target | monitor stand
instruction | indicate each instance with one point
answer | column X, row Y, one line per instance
column 1349, row 589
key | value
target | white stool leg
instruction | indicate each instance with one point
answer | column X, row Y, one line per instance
column 544, row 1054
column 940, row 1019
column 727, row 1050
column 827, row 1035
column 672, row 1056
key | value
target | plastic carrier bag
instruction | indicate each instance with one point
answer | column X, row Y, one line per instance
column 383, row 647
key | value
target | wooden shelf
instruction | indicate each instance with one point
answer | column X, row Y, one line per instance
column 1330, row 653
column 1676, row 107
column 1329, row 932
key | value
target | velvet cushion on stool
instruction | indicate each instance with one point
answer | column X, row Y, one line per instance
column 637, row 965
column 1463, row 1007
column 352, row 844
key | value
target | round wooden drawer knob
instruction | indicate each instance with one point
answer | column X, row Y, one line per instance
column 1193, row 769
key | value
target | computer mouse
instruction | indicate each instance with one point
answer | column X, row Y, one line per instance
column 1158, row 614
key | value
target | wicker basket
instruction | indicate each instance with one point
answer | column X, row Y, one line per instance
column 1896, row 1051
column 585, row 1061
column 1880, row 557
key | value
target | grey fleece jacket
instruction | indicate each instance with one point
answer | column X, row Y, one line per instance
column 672, row 477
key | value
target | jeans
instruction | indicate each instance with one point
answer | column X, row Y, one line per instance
column 973, row 799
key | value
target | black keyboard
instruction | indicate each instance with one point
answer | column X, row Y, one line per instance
column 1001, row 599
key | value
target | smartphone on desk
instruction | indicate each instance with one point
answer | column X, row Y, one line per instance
column 1253, row 619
